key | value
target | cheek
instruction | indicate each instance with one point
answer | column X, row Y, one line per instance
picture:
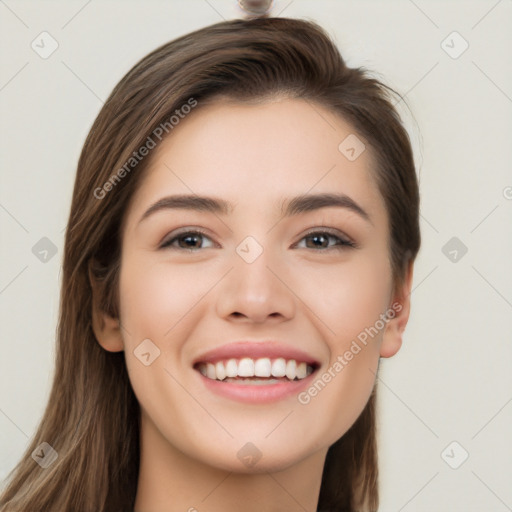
column 158, row 302
column 155, row 298
column 349, row 298
column 164, row 303
column 348, row 303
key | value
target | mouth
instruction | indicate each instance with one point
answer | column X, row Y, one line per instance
column 256, row 372
column 256, row 381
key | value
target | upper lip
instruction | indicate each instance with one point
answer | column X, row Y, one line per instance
column 255, row 350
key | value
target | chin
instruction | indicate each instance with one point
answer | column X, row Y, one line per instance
column 247, row 457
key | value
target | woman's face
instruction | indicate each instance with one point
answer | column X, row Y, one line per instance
column 265, row 283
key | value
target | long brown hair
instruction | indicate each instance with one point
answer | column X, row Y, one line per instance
column 92, row 416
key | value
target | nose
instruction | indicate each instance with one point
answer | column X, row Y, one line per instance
column 256, row 292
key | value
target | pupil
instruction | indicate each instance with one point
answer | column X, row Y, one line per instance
column 188, row 238
column 318, row 237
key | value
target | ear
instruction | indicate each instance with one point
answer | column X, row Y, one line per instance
column 401, row 306
column 106, row 328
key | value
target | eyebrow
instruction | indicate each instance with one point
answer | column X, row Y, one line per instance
column 289, row 206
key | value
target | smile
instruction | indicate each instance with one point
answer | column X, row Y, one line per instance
column 261, row 371
column 256, row 372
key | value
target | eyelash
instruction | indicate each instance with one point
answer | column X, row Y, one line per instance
column 343, row 243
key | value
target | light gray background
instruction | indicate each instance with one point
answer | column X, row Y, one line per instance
column 452, row 379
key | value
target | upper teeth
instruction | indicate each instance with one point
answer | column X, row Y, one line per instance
column 263, row 367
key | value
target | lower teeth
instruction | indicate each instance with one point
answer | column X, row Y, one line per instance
column 255, row 381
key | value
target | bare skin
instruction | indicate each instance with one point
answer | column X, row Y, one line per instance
column 312, row 294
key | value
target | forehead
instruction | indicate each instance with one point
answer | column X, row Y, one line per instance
column 259, row 153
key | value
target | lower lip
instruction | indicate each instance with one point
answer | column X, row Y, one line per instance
column 263, row 393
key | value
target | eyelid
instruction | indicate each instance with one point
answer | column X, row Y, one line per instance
column 330, row 231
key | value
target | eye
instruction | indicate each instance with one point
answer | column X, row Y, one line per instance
column 192, row 240
column 320, row 240
column 186, row 240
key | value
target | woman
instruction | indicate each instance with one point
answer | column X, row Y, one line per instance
column 238, row 258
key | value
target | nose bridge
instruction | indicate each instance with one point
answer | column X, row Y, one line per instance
column 252, row 272
column 251, row 288
column 250, row 250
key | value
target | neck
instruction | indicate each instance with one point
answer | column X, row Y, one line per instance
column 171, row 481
